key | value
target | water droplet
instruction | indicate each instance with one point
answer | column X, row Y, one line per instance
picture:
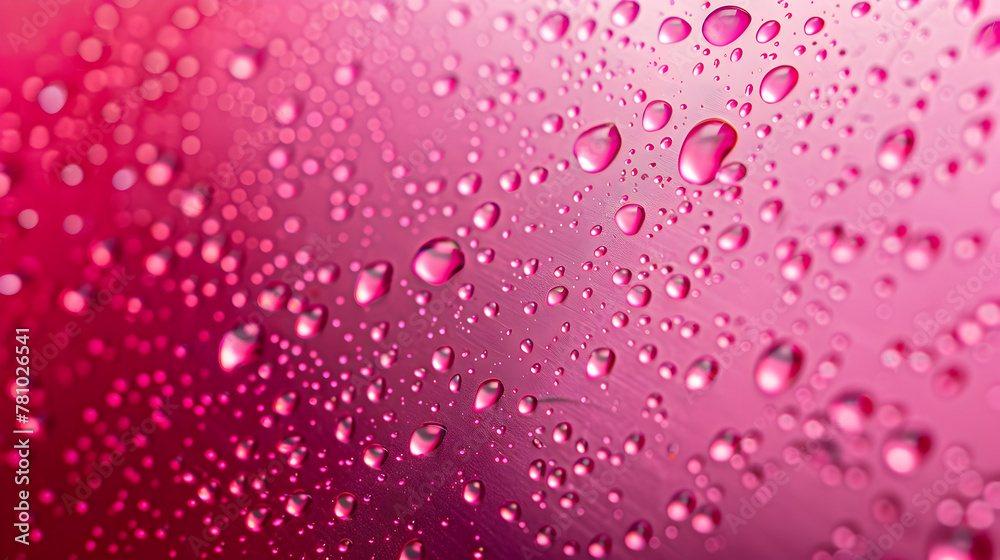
column 767, row 31
column 678, row 286
column 344, row 504
column 725, row 25
column 813, row 25
column 298, row 503
column 285, row 403
column 600, row 547
column 624, row 13
column 921, row 251
column 473, row 492
column 469, row 183
column 638, row 296
column 681, row 505
column 527, row 404
column 510, row 511
column 373, row 282
column 701, row 373
column 344, row 429
column 895, row 149
column 638, row 535
column 733, row 238
column 778, row 83
column 438, row 260
column 597, row 147
column 600, row 363
column 311, row 321
column 426, row 438
column 656, row 115
column 486, row 216
column 673, row 30
column 413, row 550
column 629, row 218
column 240, row 346
column 704, row 148
column 553, row 27
column 257, row 517
column 374, row 455
column 988, row 40
column 557, row 295
column 488, row 394
column 778, row 367
column 850, row 411
column 562, row 432
column 905, row 451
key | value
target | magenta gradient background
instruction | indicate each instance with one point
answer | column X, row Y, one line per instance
column 105, row 380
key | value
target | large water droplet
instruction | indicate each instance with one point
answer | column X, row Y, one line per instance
column 240, row 346
column 438, row 260
column 905, row 451
column 725, row 25
column 486, row 216
column 988, row 39
column 473, row 492
column 510, row 511
column 488, row 394
column 638, row 296
column 895, row 149
column 373, row 282
column 681, row 505
column 701, row 373
column 624, row 13
column 778, row 83
column 344, row 504
column 704, row 148
column 553, row 27
column 656, row 115
column 285, row 403
column 733, row 238
column 778, row 367
column 557, row 295
column 673, row 30
column 600, row 363
column 413, row 550
column 767, row 31
column 311, row 321
column 374, row 455
column 629, row 218
column 597, row 147
column 298, row 503
column 638, row 535
column 678, row 286
column 850, row 411
column 426, row 438
column 442, row 359
column 257, row 517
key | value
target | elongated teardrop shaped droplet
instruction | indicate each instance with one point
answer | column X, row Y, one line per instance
column 426, row 438
column 778, row 83
column 725, row 25
column 240, row 346
column 597, row 147
column 488, row 394
column 704, row 148
column 629, row 218
column 373, row 282
column 656, row 115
